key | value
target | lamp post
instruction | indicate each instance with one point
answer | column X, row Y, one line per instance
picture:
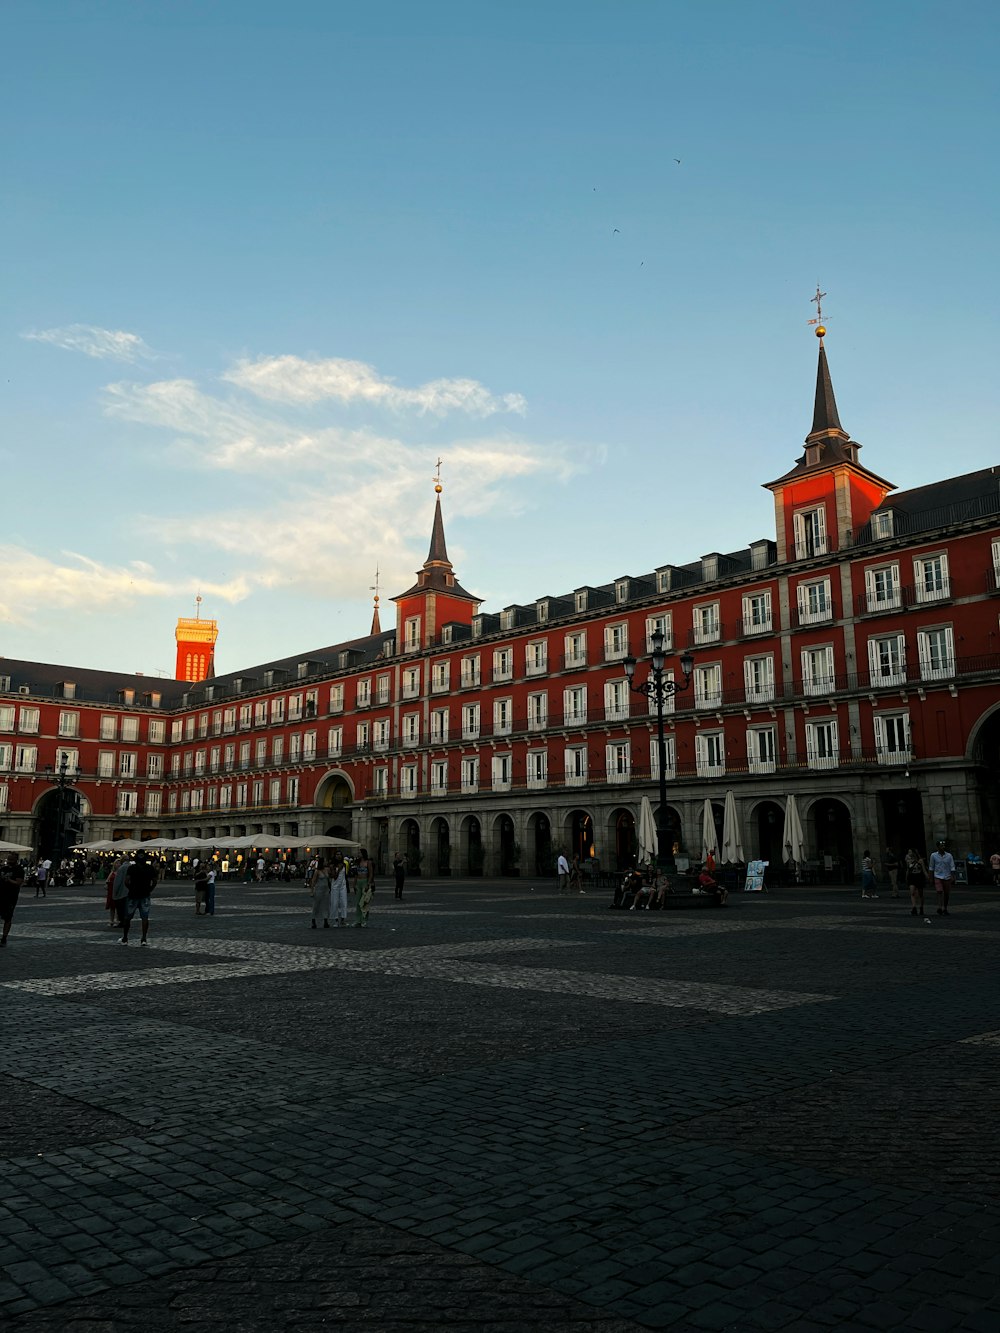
column 61, row 777
column 658, row 689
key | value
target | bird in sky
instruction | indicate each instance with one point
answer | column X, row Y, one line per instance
column 616, row 232
column 677, row 160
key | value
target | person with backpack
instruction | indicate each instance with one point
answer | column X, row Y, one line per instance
column 140, row 881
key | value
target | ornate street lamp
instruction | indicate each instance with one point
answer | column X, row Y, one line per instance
column 660, row 690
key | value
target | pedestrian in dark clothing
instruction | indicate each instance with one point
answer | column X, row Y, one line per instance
column 11, row 879
column 399, row 873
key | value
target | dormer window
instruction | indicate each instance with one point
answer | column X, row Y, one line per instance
column 580, row 600
column 709, row 567
column 302, row 670
column 621, row 591
column 411, row 633
column 663, row 580
column 477, row 627
column 882, row 524
column 506, row 620
column 67, row 689
column 813, row 452
column 447, row 633
column 541, row 612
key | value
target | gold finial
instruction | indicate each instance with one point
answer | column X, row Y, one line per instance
column 818, row 321
column 437, row 477
column 374, row 586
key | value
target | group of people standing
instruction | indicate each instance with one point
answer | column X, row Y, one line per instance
column 329, row 882
column 917, row 873
column 130, row 886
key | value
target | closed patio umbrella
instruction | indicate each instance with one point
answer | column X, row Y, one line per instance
column 732, row 848
column 13, row 847
column 709, row 837
column 792, row 838
column 648, row 841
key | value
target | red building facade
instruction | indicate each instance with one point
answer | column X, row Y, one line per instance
column 851, row 659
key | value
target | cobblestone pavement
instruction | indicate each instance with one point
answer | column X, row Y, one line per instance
column 501, row 1109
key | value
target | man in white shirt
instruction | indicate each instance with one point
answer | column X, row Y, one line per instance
column 942, row 868
column 562, row 870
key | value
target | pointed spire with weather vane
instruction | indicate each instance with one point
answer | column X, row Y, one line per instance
column 826, row 420
column 376, row 627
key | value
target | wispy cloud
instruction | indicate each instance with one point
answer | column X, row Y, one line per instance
column 102, row 344
column 292, row 379
column 33, row 583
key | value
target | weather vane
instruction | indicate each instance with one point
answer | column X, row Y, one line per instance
column 374, row 586
column 437, row 477
column 817, row 300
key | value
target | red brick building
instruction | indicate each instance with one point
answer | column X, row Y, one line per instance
column 851, row 659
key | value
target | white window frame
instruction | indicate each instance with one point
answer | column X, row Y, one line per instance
column 887, row 659
column 818, row 678
column 670, row 754
column 822, row 743
column 616, row 641
column 933, row 664
column 757, row 615
column 440, row 677
column 471, row 671
column 575, row 765
column 618, row 761
column 575, row 704
column 411, row 634
column 501, row 768
column 503, row 716
column 411, row 728
column 761, row 749
column 536, row 657
column 439, row 777
column 335, row 742
column 503, row 664
column 337, row 698
column 109, row 727
column 470, row 773
column 809, row 532
column 380, row 733
column 707, row 624
column 883, row 591
column 439, row 725
column 710, row 754
column 931, row 579
column 664, row 622
column 471, row 722
column 411, row 682
column 69, row 725
column 575, row 646
column 127, row 803
column 537, row 768
column 708, row 685
column 758, row 678
column 816, row 591
column 617, row 700
column 538, row 711
column 893, row 744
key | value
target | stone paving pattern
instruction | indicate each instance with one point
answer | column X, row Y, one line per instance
column 499, row 1109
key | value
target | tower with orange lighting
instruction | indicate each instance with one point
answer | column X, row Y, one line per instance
column 195, row 647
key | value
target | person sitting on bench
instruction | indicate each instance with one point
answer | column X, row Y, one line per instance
column 706, row 884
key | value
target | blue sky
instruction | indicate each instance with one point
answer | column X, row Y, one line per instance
column 263, row 264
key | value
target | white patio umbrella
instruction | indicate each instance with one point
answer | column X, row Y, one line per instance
column 321, row 840
column 648, row 841
column 709, row 837
column 732, row 848
column 13, row 847
column 792, row 838
column 101, row 845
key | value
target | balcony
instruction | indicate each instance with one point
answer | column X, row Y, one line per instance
column 751, row 625
column 705, row 634
column 573, row 661
column 818, row 613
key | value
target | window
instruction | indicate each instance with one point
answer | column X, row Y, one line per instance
column 538, row 711
column 362, row 736
column 157, row 731
column 503, row 663
column 817, row 670
column 175, row 766
column 260, row 713
column 203, row 724
column 707, row 628
column 380, row 781
column 470, row 774
column 154, row 801
column 669, row 700
column 259, row 755
column 670, row 755
column 69, row 724
column 25, row 758
column 710, row 754
column 217, row 723
column 936, row 650
column 575, row 704
column 621, row 590
column 211, row 798
column 6, row 756
column 176, row 731
column 411, row 728
column 382, row 689
column 337, row 698
column 106, row 763
column 244, row 754
column 503, row 717
column 809, row 527
column 501, row 772
column 815, row 602
column 4, row 794
column 294, row 748
column 294, row 709
column 309, row 745
column 229, row 756
column 930, row 576
column 334, row 741
column 197, row 799
column 411, row 683
column 72, row 758
column 882, row 524
column 760, row 750
column 188, row 729
column 541, row 612
column 439, row 724
column 576, row 649
column 440, row 677
column 538, row 768
column 758, row 679
column 213, row 759
column 580, row 600
column 380, row 734
column 507, row 619
column 411, row 633
column 278, row 710
column 618, row 761
column 708, row 686
column 996, row 563
column 616, row 700
column 154, row 766
column 887, row 659
column 892, row 738
column 229, row 721
column 225, row 797
column 128, row 802
column 665, row 624
column 293, row 791
column 7, row 717
column 275, row 791
column 821, row 744
column 127, row 764
column 189, row 762
column 241, row 794
column 172, row 802
column 470, row 670
column 470, row 722
column 363, row 694
column 28, row 721
column 757, row 613
column 615, row 642
column 882, row 588
column 576, row 765
column 109, row 727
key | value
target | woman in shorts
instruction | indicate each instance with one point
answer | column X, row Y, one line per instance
column 916, row 881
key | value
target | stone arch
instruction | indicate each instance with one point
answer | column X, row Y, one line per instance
column 766, row 821
column 578, row 835
column 409, row 840
column 506, row 850
column 622, row 839
column 470, row 846
column 439, row 849
column 539, row 857
column 335, row 795
column 828, row 823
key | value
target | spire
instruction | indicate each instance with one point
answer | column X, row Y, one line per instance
column 825, row 410
column 438, row 553
column 437, row 574
column 376, row 627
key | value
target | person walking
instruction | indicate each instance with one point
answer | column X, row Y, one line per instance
column 200, row 889
column 399, row 874
column 562, row 870
column 942, row 868
column 364, row 887
column 868, row 876
column 11, row 879
column 41, row 875
column 119, row 890
column 576, row 876
column 320, row 888
column 916, row 881
column 338, row 895
column 140, row 882
column 995, row 868
column 109, row 897
column 210, row 892
column 891, row 863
